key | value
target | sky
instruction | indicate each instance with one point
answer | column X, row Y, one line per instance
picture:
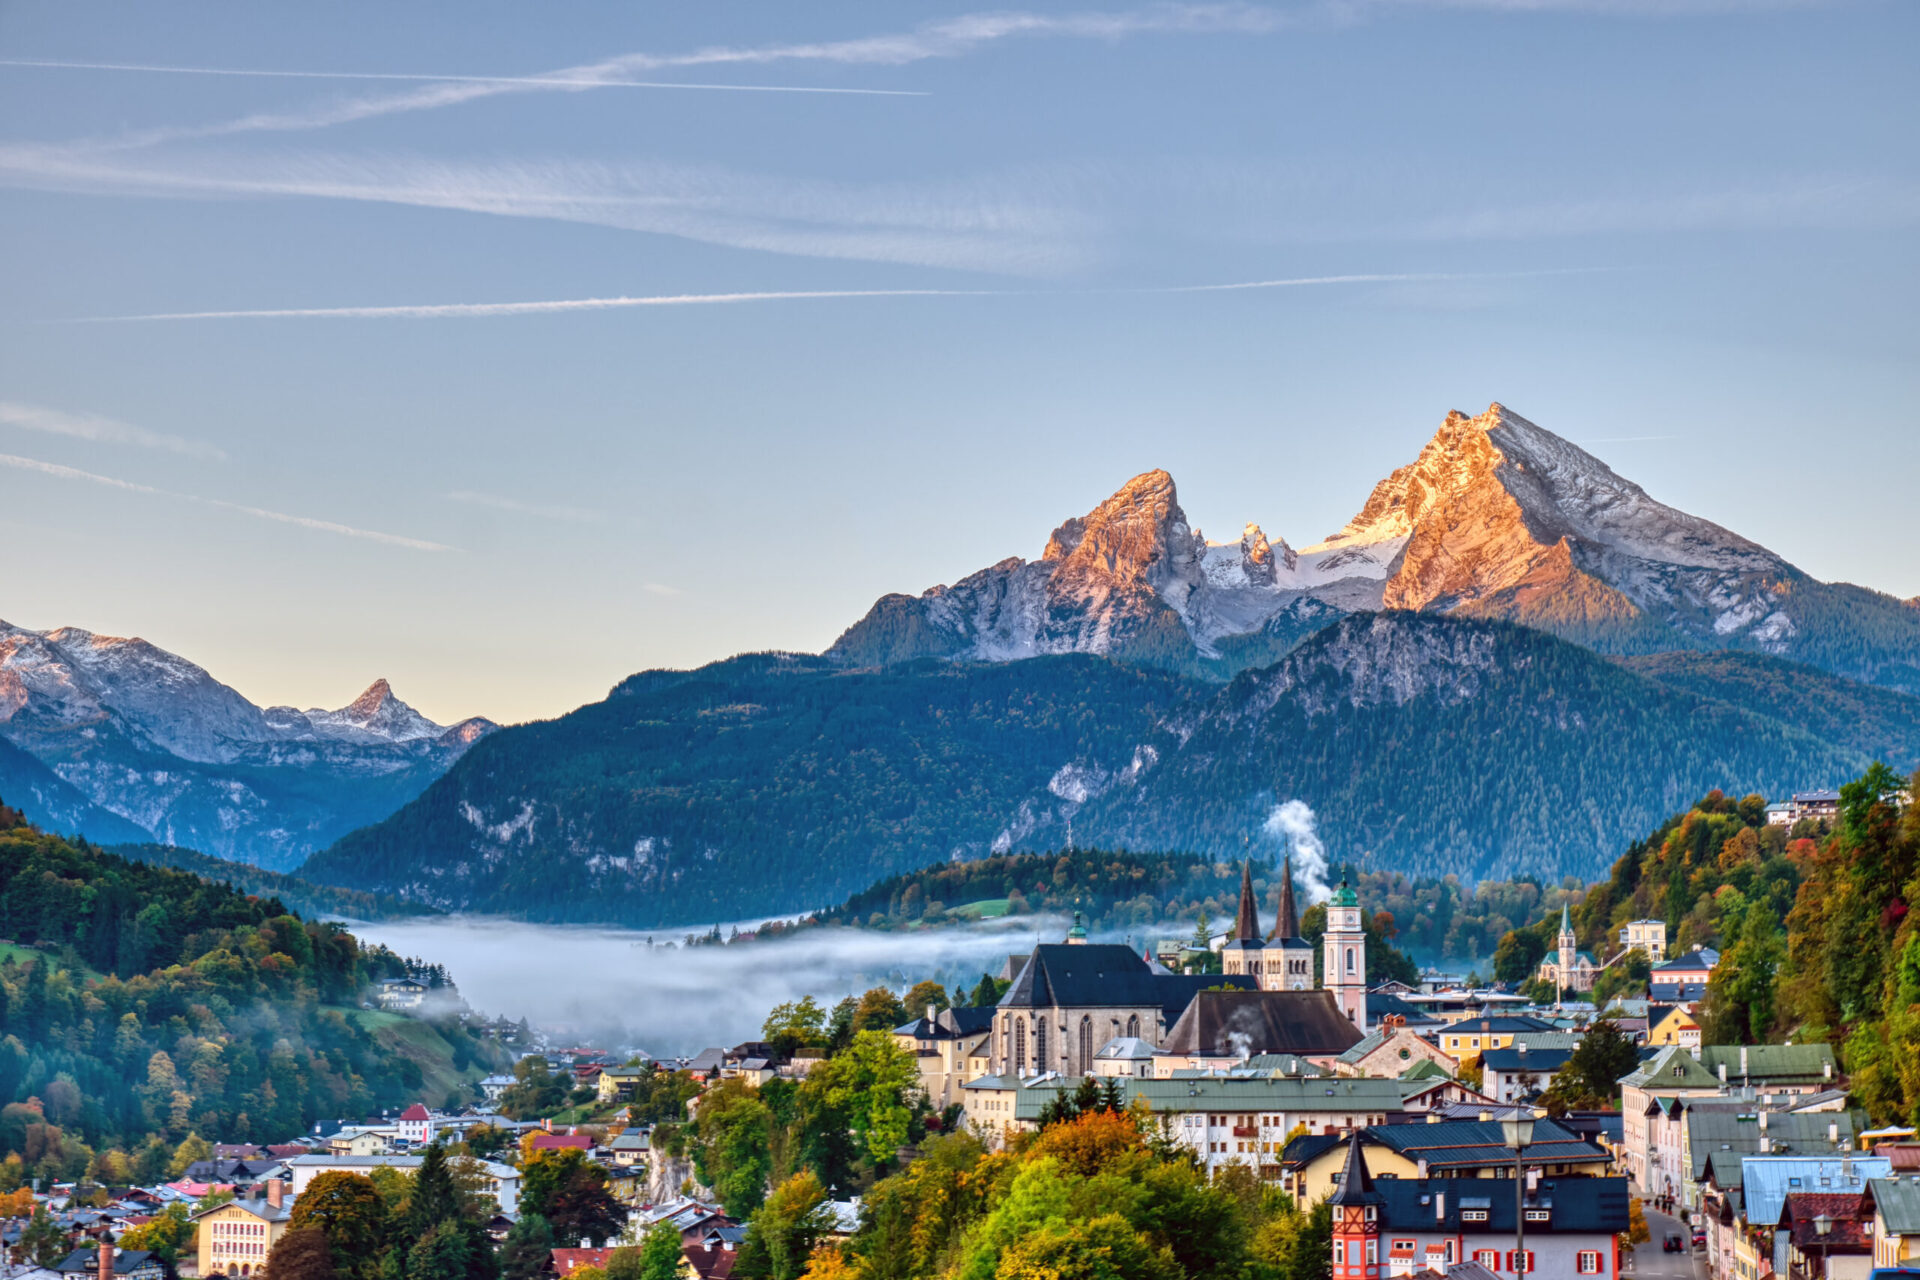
column 503, row 351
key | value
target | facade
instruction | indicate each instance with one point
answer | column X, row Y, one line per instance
column 1683, row 979
column 1390, row 1051
column 1450, row 1149
column 1672, row 1072
column 1396, row 1226
column 235, row 1238
column 502, row 1181
column 415, row 1125
column 1519, row 1073
column 1649, row 936
column 1672, row 1024
column 1893, row 1206
column 1472, row 1037
column 1567, row 967
column 1344, row 955
column 942, row 1044
column 400, row 993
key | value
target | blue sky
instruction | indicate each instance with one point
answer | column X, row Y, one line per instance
column 1682, row 233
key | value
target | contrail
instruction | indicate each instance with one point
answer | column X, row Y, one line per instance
column 472, row 309
column 556, row 81
column 306, row 522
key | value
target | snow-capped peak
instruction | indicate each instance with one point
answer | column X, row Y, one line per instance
column 376, row 713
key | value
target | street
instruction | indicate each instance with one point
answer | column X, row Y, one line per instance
column 1649, row 1262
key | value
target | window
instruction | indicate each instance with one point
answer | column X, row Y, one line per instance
column 1589, row 1262
column 1537, row 1215
column 1473, row 1215
column 1517, row 1263
column 1373, row 1252
column 1133, row 1025
column 1349, row 959
column 1488, row 1259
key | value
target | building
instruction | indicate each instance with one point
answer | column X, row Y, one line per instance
column 1821, row 805
column 1472, row 1037
column 1068, row 1000
column 400, row 993
column 1774, row 1068
column 502, row 1181
column 415, row 1125
column 1390, row 1050
column 495, row 1085
column 1344, row 955
column 1671, row 1072
column 1567, row 967
column 1892, row 1207
column 1727, row 1130
column 1456, row 1149
column 235, row 1238
column 631, row 1148
column 1683, row 979
column 1394, row 1226
column 1282, row 961
column 616, row 1083
column 1522, row 1071
column 1827, row 1238
column 943, row 1044
column 1126, row 1056
column 128, row 1264
column 1649, row 936
column 1763, row 1236
column 1671, row 1024
column 1220, row 1028
column 363, row 1140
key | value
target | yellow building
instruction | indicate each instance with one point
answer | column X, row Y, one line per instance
column 1472, row 1037
column 235, row 1238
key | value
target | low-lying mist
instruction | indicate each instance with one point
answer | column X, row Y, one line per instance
column 609, row 987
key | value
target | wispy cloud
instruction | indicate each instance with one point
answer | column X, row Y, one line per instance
column 59, row 472
column 87, row 426
column 551, row 82
column 472, row 310
column 573, row 515
column 1006, row 225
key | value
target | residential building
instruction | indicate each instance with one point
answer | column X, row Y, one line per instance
column 1390, row 1049
column 495, row 1085
column 1459, row 1149
column 502, row 1181
column 1472, row 1037
column 1125, row 1056
column 1683, row 979
column 1763, row 1234
column 361, row 1141
column 400, row 993
column 1774, row 1068
column 1393, row 1226
column 1731, row 1129
column 1892, row 1207
column 1670, row 1073
column 942, row 1044
column 1672, row 1024
column 1826, row 1236
column 616, row 1083
column 1822, row 805
column 235, row 1238
column 1649, row 936
column 415, row 1125
column 632, row 1147
column 1522, row 1072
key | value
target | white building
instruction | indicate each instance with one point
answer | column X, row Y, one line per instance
column 503, row 1181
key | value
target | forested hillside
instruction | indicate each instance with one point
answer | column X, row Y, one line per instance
column 140, row 1004
column 302, row 896
column 1428, row 746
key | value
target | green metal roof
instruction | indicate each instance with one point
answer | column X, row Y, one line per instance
column 1658, row 1073
column 1898, row 1201
column 1772, row 1063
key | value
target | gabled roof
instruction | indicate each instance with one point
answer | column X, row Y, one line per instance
column 1714, row 1128
column 1772, row 1063
column 416, row 1113
column 1525, row 1060
column 1766, row 1181
column 1845, row 1233
column 1425, row 1069
column 1126, row 1049
column 1898, row 1201
column 1658, row 1071
column 1233, row 1023
column 1580, row 1206
column 1104, row 975
column 1700, row 959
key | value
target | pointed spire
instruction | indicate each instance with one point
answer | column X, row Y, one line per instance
column 1566, row 926
column 1246, row 927
column 1356, row 1184
column 1287, row 926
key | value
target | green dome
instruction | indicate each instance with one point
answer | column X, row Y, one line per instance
column 1343, row 896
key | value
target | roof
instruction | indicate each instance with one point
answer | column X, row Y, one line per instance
column 1246, row 924
column 416, row 1112
column 1699, row 960
column 1525, row 1059
column 261, row 1209
column 1356, row 1184
column 1384, row 1004
column 1657, row 1072
column 1238, row 1023
column 1846, row 1232
column 1772, row 1063
column 125, row 1261
column 1585, row 1206
column 1460, row 1144
column 1126, row 1049
column 494, row 1169
column 1348, row 1096
column 1105, row 975
column 565, row 1260
column 1736, row 1128
column 558, row 1141
column 1425, row 1069
column 1498, row 1024
column 1898, row 1201
column 1766, row 1181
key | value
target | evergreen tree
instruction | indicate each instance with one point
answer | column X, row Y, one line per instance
column 42, row 1241
column 660, row 1253
column 441, row 1254
column 435, row 1199
column 528, row 1247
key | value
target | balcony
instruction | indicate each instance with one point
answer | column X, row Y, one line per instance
column 1245, row 1131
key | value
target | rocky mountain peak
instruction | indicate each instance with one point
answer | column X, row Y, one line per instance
column 1126, row 537
column 367, row 705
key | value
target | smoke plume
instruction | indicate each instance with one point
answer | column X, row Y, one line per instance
column 1293, row 823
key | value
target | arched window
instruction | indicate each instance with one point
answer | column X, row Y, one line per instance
column 1040, row 1045
column 1086, row 1045
column 1133, row 1025
column 1019, row 1046
column 1349, row 959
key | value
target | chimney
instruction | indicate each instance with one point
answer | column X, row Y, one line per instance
column 1826, row 1070
column 1833, row 1132
column 106, row 1260
column 1766, row 1146
column 1439, row 1206
column 1520, row 1046
column 1743, row 1062
column 1421, row 1165
column 1723, row 1075
column 276, row 1191
column 1763, row 1122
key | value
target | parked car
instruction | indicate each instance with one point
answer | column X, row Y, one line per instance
column 1699, row 1239
column 1672, row 1244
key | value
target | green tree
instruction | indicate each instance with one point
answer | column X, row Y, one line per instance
column 42, row 1241
column 1590, row 1078
column 870, row 1082
column 660, row 1253
column 878, row 1010
column 924, row 995
column 192, row 1149
column 732, row 1145
column 527, row 1249
column 164, row 1235
column 783, row 1231
column 795, row 1024
column 435, row 1199
column 443, row 1253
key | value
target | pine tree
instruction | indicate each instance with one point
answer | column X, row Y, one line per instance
column 524, row 1254
column 435, row 1199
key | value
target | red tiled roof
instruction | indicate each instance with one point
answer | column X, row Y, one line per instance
column 1905, row 1155
column 565, row 1260
column 555, row 1141
column 710, row 1264
column 1848, row 1233
column 416, row 1112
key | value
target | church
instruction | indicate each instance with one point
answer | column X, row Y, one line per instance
column 1283, row 961
column 1567, row 967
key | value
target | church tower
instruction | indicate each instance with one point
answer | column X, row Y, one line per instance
column 1356, row 1219
column 1243, row 953
column 1569, row 953
column 1344, row 955
column 1288, row 963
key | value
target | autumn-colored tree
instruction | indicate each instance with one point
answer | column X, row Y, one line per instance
column 1092, row 1142
column 350, row 1211
column 302, row 1254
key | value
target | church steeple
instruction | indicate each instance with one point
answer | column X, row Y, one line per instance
column 1246, row 927
column 1287, row 925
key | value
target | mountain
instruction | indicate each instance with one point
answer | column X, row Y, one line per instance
column 1428, row 743
column 151, row 746
column 1497, row 518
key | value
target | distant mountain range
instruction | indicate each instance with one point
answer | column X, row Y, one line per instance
column 1511, row 660
column 121, row 741
column 1497, row 518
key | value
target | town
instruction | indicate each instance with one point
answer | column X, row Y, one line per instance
column 1434, row 1129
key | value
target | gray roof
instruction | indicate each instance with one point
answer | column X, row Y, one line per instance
column 1105, row 976
column 1126, row 1049
column 1508, row 1060
column 1734, row 1129
column 1232, row 1023
column 1772, row 1063
column 1581, row 1206
column 1898, row 1201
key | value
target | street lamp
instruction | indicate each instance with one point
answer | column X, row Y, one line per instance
column 1822, row 1227
column 1517, row 1129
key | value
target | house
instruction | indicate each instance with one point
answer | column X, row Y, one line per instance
column 128, row 1264
column 1826, row 1236
column 580, row 1142
column 1222, row 1027
column 942, row 1044
column 1671, row 1072
column 1525, row 1069
column 1391, row 1050
column 1070, row 999
column 1821, row 805
column 495, row 1085
column 565, row 1261
column 1730, row 1129
column 1683, row 979
column 1469, row 1038
column 502, row 1182
column 235, row 1173
column 1649, row 936
column 1124, row 1056
column 1392, row 1226
column 361, row 1141
column 400, row 993
column 1762, row 1238
column 234, row 1239
column 1426, row 1088
column 1776, row 1068
column 1226, row 1120
column 415, row 1125
column 631, row 1148
column 1892, row 1207
column 616, row 1083
column 1312, row 1164
column 1672, row 1024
